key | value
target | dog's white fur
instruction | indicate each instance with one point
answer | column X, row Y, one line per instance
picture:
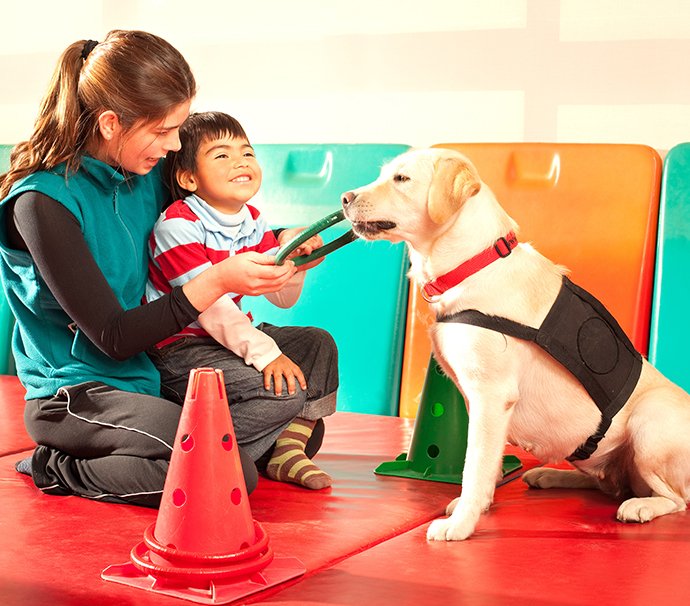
column 434, row 200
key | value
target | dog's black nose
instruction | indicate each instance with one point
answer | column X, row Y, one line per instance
column 348, row 197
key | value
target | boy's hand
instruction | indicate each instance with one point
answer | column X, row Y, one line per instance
column 289, row 233
column 281, row 367
column 306, row 248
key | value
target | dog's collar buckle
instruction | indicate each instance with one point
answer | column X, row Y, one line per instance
column 500, row 249
column 428, row 296
column 505, row 244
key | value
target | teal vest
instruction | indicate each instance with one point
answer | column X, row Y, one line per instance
column 116, row 215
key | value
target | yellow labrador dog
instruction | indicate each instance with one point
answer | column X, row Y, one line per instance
column 540, row 362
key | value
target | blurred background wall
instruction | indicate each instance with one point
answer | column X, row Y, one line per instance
column 392, row 71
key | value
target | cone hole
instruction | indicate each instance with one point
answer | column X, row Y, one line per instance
column 179, row 497
column 227, row 441
column 236, row 496
column 437, row 409
column 244, row 546
column 433, row 451
column 187, row 442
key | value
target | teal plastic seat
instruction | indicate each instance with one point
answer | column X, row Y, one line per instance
column 670, row 325
column 5, row 157
column 6, row 317
column 359, row 292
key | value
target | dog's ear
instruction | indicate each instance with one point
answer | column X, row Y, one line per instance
column 453, row 183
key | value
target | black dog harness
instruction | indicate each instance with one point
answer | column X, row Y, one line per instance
column 585, row 338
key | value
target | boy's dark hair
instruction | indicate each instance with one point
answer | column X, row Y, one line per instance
column 196, row 129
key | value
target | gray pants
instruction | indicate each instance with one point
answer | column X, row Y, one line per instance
column 106, row 444
column 258, row 414
column 111, row 445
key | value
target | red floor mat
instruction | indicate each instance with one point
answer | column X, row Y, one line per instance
column 362, row 541
column 54, row 548
column 534, row 548
column 13, row 436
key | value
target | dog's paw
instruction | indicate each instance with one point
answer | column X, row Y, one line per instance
column 539, row 477
column 545, row 477
column 448, row 529
column 635, row 510
column 451, row 506
column 645, row 509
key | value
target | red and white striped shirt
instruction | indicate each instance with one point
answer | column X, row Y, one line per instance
column 188, row 238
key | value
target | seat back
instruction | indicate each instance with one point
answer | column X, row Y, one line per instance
column 359, row 293
column 670, row 327
column 6, row 317
column 590, row 207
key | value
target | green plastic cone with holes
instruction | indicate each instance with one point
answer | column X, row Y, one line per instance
column 439, row 440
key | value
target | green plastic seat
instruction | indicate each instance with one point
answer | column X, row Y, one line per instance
column 670, row 326
column 6, row 317
column 359, row 292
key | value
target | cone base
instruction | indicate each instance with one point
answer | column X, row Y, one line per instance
column 403, row 468
column 219, row 592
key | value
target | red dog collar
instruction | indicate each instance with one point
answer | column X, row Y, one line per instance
column 500, row 249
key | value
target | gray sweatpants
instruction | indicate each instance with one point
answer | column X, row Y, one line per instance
column 106, row 444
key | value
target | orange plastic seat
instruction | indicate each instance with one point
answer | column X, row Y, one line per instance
column 590, row 207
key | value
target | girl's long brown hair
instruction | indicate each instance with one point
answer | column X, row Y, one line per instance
column 138, row 75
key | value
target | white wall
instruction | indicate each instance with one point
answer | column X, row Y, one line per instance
column 392, row 71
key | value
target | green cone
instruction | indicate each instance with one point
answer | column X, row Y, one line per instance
column 439, row 440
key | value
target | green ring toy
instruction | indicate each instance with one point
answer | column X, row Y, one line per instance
column 312, row 230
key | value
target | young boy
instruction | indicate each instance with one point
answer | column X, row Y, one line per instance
column 214, row 175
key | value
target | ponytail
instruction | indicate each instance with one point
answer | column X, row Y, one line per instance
column 55, row 137
column 139, row 76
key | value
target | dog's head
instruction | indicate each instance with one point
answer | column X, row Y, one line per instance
column 418, row 191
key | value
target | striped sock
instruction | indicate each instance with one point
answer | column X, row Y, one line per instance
column 289, row 463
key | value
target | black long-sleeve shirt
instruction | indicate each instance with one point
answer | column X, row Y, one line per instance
column 52, row 236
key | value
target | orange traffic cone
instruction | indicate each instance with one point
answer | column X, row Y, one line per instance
column 204, row 545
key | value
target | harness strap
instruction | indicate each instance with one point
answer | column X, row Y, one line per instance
column 496, row 323
column 579, row 333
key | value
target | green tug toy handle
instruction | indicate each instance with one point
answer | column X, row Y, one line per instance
column 310, row 231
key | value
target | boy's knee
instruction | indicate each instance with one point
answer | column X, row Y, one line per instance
column 292, row 404
column 322, row 339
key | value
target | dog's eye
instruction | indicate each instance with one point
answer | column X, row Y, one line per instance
column 400, row 178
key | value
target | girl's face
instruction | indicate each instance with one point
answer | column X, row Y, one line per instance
column 227, row 174
column 141, row 148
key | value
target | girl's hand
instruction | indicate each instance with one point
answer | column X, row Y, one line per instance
column 281, row 367
column 248, row 273
column 253, row 274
